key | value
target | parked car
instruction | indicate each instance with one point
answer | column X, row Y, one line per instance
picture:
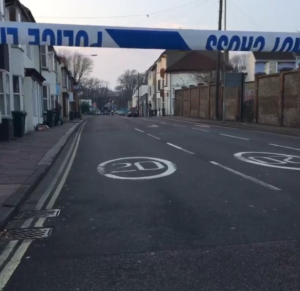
column 122, row 112
column 132, row 112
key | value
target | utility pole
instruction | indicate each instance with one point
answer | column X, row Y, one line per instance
column 138, row 83
column 226, row 52
column 219, row 63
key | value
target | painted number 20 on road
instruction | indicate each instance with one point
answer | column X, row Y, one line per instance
column 136, row 168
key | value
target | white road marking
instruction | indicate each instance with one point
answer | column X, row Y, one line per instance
column 138, row 130
column 177, row 147
column 9, row 248
column 202, row 125
column 163, row 123
column 178, row 125
column 153, row 136
column 234, row 136
column 11, row 266
column 153, row 125
column 276, row 145
column 201, row 129
column 246, row 176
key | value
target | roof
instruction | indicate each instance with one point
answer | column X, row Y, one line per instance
column 275, row 56
column 24, row 10
column 195, row 61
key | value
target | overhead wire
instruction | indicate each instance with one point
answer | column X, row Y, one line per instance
column 118, row 16
column 254, row 22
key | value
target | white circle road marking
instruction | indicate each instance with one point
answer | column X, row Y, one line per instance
column 274, row 160
column 159, row 163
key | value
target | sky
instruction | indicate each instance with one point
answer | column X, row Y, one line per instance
column 242, row 15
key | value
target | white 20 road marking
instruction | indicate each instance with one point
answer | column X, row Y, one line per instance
column 246, row 177
column 11, row 266
column 234, row 136
column 177, row 147
column 276, row 145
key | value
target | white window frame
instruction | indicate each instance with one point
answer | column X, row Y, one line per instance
column 46, row 98
column 51, row 63
column 45, row 55
column 17, row 94
column 28, row 50
column 34, row 99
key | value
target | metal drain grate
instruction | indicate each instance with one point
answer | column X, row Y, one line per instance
column 38, row 213
column 27, row 233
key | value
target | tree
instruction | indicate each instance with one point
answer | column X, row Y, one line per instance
column 80, row 66
column 204, row 77
column 239, row 62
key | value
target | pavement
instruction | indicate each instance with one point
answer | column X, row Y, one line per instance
column 24, row 162
column 152, row 204
column 250, row 126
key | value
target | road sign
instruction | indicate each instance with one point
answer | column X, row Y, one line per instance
column 273, row 160
column 136, row 168
column 145, row 38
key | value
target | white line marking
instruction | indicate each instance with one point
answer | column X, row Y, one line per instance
column 153, row 136
column 9, row 248
column 11, row 266
column 138, row 130
column 204, row 125
column 234, row 136
column 246, row 177
column 276, row 145
column 163, row 123
column 175, row 146
column 201, row 129
column 178, row 125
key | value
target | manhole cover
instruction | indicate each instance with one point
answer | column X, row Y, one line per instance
column 27, row 233
column 37, row 213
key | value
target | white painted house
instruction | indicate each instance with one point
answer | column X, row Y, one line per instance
column 270, row 63
column 138, row 93
column 174, row 70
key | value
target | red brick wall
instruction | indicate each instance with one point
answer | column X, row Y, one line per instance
column 268, row 99
column 186, row 102
column 204, row 102
column 194, row 102
column 275, row 100
column 290, row 109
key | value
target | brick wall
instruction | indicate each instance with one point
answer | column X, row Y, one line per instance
column 270, row 99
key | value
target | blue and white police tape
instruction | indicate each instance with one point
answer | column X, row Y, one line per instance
column 146, row 38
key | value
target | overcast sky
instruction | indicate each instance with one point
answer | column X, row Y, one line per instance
column 250, row 15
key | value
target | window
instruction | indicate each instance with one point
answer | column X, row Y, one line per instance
column 149, row 90
column 166, row 80
column 51, row 61
column 23, row 92
column 17, row 93
column 45, row 97
column 158, row 86
column 53, row 98
column 14, row 15
column 41, row 98
column 34, row 98
column 7, row 94
column 64, row 78
column 44, row 57
column 55, row 69
column 2, row 99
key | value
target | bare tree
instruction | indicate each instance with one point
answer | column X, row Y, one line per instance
column 80, row 66
column 204, row 77
column 239, row 62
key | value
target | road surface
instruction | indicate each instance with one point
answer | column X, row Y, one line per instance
column 155, row 204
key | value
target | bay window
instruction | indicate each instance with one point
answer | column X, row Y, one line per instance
column 51, row 64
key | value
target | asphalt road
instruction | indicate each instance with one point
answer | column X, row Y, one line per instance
column 186, row 207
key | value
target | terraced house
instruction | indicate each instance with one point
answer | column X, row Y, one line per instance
column 31, row 77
